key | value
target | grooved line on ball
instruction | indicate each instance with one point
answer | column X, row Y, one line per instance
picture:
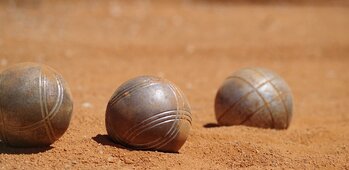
column 261, row 96
column 260, row 108
column 170, row 136
column 172, row 133
column 278, row 92
column 52, row 113
column 129, row 90
column 121, row 93
column 179, row 92
column 241, row 98
column 57, row 105
column 152, row 121
column 176, row 123
column 48, row 122
column 43, row 103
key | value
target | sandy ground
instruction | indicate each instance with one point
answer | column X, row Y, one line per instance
column 97, row 45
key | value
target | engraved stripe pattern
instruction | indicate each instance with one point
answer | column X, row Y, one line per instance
column 254, row 89
column 43, row 102
column 154, row 121
column 47, row 116
column 118, row 96
column 56, row 107
column 260, row 108
column 129, row 90
column 278, row 91
column 170, row 133
column 264, row 101
column 157, row 120
column 180, row 94
column 160, row 141
column 174, row 130
column 176, row 123
column 175, row 116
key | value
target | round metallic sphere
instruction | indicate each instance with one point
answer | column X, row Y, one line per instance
column 35, row 105
column 254, row 97
column 149, row 113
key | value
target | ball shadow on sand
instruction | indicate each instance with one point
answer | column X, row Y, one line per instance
column 4, row 149
column 211, row 125
column 215, row 125
column 107, row 141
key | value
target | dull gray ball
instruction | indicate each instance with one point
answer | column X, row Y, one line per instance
column 254, row 97
column 35, row 105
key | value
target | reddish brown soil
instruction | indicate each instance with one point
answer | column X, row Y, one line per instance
column 97, row 45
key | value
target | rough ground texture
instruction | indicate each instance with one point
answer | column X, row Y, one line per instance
column 97, row 45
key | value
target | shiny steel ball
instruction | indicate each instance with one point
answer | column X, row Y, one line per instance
column 254, row 97
column 149, row 113
column 35, row 105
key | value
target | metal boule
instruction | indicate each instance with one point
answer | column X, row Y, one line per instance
column 149, row 113
column 254, row 97
column 35, row 105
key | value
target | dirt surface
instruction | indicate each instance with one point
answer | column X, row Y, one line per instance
column 97, row 45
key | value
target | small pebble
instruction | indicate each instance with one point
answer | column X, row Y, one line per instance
column 110, row 159
column 128, row 161
column 87, row 105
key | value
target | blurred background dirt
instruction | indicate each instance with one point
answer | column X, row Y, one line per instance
column 97, row 45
